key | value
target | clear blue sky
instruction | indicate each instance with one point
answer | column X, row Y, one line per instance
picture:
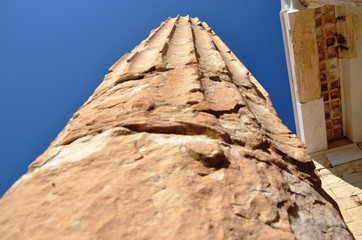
column 53, row 54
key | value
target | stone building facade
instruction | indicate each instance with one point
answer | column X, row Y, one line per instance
column 324, row 55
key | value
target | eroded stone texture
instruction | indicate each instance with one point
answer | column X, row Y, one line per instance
column 179, row 142
column 320, row 3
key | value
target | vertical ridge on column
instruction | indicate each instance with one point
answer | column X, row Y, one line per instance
column 209, row 58
column 180, row 47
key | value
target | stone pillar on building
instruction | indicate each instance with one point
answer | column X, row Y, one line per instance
column 178, row 142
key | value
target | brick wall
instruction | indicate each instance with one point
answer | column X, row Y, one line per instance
column 328, row 48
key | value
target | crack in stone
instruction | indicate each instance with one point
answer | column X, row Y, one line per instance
column 219, row 113
column 179, row 128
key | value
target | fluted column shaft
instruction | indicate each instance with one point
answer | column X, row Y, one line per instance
column 178, row 142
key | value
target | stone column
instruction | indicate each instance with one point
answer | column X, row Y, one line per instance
column 178, row 142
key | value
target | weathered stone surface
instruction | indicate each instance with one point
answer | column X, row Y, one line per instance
column 179, row 142
column 319, row 3
column 299, row 4
column 306, row 57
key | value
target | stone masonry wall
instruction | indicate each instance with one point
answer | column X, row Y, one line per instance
column 328, row 46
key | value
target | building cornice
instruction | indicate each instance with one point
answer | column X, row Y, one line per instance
column 320, row 3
